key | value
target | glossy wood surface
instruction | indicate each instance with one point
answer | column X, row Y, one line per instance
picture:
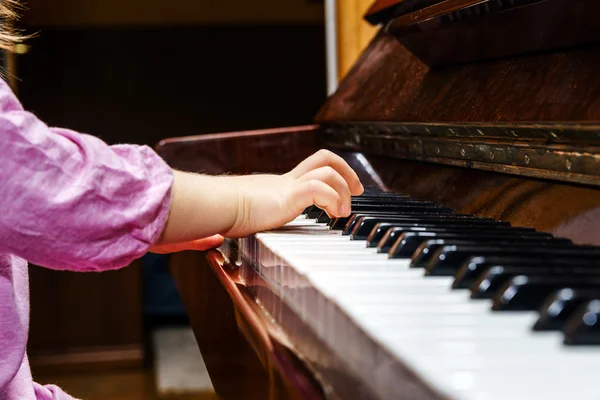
column 382, row 11
column 459, row 31
column 389, row 83
column 269, row 150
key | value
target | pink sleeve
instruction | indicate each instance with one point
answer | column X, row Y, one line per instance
column 70, row 201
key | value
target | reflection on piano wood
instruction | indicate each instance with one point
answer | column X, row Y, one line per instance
column 471, row 268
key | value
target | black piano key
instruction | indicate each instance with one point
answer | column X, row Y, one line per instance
column 389, row 201
column 436, row 254
column 403, row 218
column 378, row 232
column 492, row 280
column 526, row 293
column 313, row 212
column 347, row 223
column 583, row 328
column 472, row 269
column 391, row 237
column 380, row 195
column 361, row 228
column 341, row 223
column 406, row 246
column 446, row 260
column 360, row 202
column 560, row 306
column 397, row 208
column 391, row 208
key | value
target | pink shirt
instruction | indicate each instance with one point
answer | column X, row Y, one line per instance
column 68, row 201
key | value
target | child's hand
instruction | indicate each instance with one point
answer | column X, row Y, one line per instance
column 270, row 201
column 238, row 206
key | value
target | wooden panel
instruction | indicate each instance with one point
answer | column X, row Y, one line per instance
column 383, row 10
column 158, row 12
column 354, row 33
column 459, row 31
column 261, row 151
column 390, row 84
column 226, row 354
column 85, row 320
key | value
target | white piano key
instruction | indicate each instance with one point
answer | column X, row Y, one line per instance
column 458, row 345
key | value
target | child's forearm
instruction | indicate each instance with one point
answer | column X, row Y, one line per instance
column 201, row 206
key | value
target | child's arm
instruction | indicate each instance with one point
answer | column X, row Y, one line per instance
column 241, row 205
column 69, row 201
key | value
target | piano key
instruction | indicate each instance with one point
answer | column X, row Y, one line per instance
column 412, row 317
column 490, row 281
column 583, row 328
column 347, row 223
column 360, row 228
column 390, row 200
column 473, row 267
column 314, row 211
column 390, row 208
column 528, row 292
column 556, row 310
column 448, row 258
column 391, row 236
column 441, row 257
column 406, row 248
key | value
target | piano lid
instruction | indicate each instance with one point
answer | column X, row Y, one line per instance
column 505, row 85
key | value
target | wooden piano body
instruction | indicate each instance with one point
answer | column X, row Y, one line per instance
column 491, row 108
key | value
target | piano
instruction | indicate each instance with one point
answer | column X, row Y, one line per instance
column 470, row 268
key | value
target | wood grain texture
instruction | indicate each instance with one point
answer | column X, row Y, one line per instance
column 270, row 150
column 388, row 83
column 383, row 11
column 235, row 370
column 460, row 31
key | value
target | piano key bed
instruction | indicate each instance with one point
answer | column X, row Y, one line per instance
column 417, row 302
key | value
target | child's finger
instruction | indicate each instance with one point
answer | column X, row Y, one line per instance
column 325, row 158
column 317, row 193
column 332, row 178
